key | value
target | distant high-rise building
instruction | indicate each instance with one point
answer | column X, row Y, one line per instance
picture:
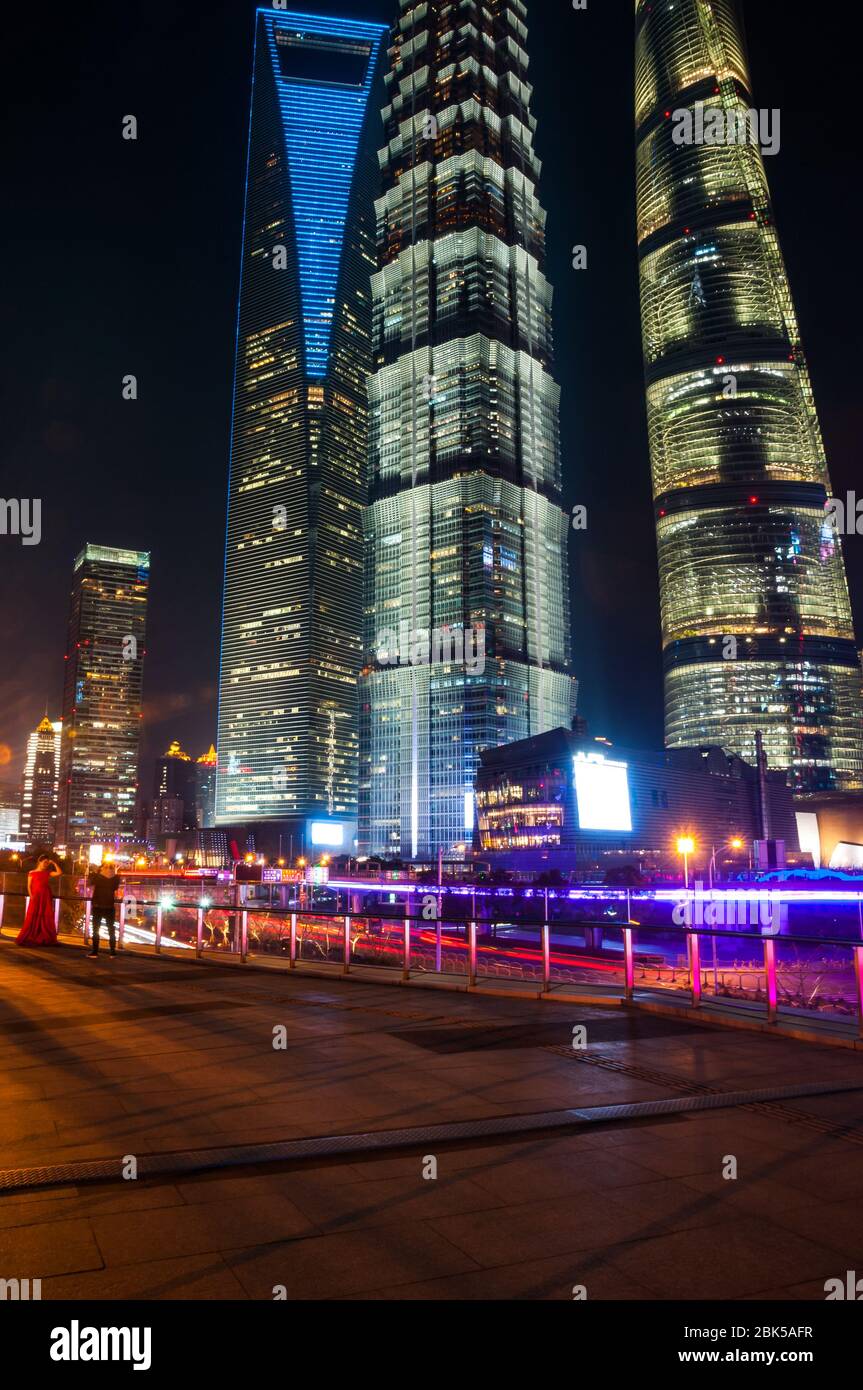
column 205, row 788
column 466, row 538
column 38, row 822
column 756, row 622
column 175, row 780
column 291, row 627
column 102, row 695
column 10, row 813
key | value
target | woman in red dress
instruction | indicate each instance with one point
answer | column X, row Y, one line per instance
column 38, row 928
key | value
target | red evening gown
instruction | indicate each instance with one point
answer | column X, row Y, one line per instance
column 38, row 928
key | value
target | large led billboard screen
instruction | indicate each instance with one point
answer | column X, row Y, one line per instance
column 602, row 793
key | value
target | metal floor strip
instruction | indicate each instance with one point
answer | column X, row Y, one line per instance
column 372, row 1141
column 848, row 1133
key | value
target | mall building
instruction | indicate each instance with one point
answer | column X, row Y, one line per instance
column 563, row 800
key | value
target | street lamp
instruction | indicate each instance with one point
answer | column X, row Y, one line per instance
column 685, row 846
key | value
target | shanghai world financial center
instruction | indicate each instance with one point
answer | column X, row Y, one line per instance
column 291, row 626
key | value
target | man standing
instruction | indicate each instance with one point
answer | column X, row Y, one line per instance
column 105, row 881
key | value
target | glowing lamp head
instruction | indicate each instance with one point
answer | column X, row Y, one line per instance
column 737, row 843
column 685, row 845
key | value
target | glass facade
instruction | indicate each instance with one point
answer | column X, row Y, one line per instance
column 756, row 621
column 102, row 693
column 287, row 739
column 464, row 531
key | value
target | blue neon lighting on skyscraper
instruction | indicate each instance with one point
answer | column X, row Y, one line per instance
column 322, row 121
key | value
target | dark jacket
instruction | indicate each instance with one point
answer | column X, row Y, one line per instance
column 104, row 888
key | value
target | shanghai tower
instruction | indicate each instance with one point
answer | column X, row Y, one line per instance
column 465, row 533
column 756, row 622
column 288, row 741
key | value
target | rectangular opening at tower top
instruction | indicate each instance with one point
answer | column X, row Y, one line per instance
column 321, row 58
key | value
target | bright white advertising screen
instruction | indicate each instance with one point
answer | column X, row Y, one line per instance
column 602, row 794
column 327, row 833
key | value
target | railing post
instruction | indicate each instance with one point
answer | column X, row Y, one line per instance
column 122, row 934
column 199, row 934
column 293, row 957
column 858, row 972
column 244, row 936
column 406, row 965
column 57, row 913
column 159, row 927
column 347, row 958
column 236, row 928
column 770, row 976
column 628, row 964
column 88, row 920
column 471, row 978
column 546, row 958
column 2, row 904
column 695, row 968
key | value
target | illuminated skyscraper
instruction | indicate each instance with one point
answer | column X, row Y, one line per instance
column 756, row 621
column 102, row 695
column 205, row 788
column 175, row 781
column 41, row 782
column 465, row 535
column 291, row 629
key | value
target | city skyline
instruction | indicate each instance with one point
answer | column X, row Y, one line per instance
column 431, row 705
column 187, row 707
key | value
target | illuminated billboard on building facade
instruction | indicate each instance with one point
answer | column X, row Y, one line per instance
column 602, row 793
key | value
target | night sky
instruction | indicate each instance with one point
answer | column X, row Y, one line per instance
column 123, row 257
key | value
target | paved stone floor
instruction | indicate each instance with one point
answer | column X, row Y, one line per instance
column 105, row 1059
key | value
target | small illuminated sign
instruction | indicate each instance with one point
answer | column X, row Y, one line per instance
column 281, row 875
column 602, row 792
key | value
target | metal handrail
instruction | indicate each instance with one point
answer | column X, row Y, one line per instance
column 473, row 927
column 376, row 915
